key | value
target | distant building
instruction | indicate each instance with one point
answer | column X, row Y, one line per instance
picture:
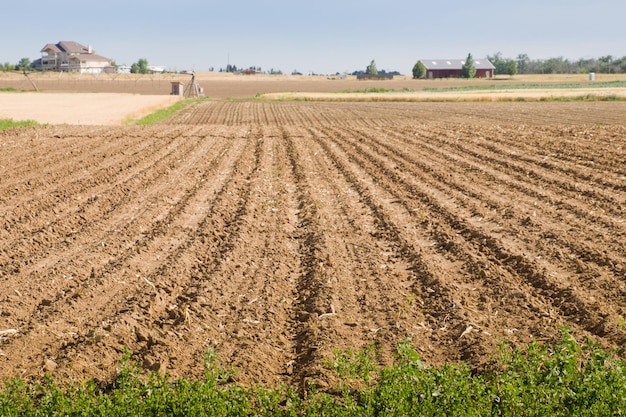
column 451, row 68
column 155, row 69
column 123, row 69
column 72, row 57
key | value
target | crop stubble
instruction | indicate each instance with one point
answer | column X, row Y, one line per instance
column 277, row 232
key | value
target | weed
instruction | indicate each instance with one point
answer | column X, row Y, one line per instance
column 559, row 379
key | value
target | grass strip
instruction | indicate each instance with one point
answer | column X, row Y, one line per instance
column 9, row 123
column 163, row 114
column 560, row 379
column 491, row 87
column 377, row 90
column 495, row 87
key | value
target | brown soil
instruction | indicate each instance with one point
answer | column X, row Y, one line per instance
column 277, row 232
column 224, row 85
column 81, row 108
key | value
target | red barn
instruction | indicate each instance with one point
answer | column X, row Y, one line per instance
column 451, row 68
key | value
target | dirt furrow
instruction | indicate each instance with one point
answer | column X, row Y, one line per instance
column 493, row 247
column 465, row 174
column 567, row 177
column 45, row 249
column 480, row 267
column 121, row 278
column 592, row 153
column 49, row 148
column 188, row 310
column 313, row 295
column 450, row 315
column 556, row 202
column 371, row 287
column 466, row 177
column 464, row 166
column 66, row 192
column 240, row 293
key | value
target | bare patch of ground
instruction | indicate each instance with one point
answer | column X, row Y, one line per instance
column 80, row 108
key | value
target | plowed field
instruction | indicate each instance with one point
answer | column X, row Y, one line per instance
column 275, row 232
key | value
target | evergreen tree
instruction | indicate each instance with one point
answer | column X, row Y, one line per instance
column 371, row 68
column 468, row 70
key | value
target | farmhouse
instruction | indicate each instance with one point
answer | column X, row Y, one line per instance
column 72, row 57
column 451, row 68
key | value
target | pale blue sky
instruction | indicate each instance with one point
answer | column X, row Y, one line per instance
column 321, row 36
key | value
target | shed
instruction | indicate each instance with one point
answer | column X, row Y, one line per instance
column 452, row 68
column 178, row 88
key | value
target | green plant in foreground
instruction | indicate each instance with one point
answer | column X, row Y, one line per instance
column 561, row 379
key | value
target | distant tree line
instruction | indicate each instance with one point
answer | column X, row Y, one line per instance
column 372, row 70
column 522, row 64
column 250, row 70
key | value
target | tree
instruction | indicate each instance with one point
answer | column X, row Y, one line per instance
column 24, row 64
column 468, row 70
column 371, row 68
column 419, row 70
column 558, row 65
column 498, row 62
column 511, row 67
column 605, row 64
column 139, row 67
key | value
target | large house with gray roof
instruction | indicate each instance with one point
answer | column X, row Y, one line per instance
column 72, row 57
column 451, row 68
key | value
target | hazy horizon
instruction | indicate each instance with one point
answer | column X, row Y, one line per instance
column 323, row 37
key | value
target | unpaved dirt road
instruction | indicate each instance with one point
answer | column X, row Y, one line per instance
column 277, row 232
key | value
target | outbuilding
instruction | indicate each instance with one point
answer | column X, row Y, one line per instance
column 452, row 68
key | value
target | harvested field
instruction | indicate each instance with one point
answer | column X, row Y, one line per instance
column 81, row 108
column 229, row 85
column 275, row 232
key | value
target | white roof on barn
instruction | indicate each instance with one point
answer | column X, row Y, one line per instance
column 455, row 64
